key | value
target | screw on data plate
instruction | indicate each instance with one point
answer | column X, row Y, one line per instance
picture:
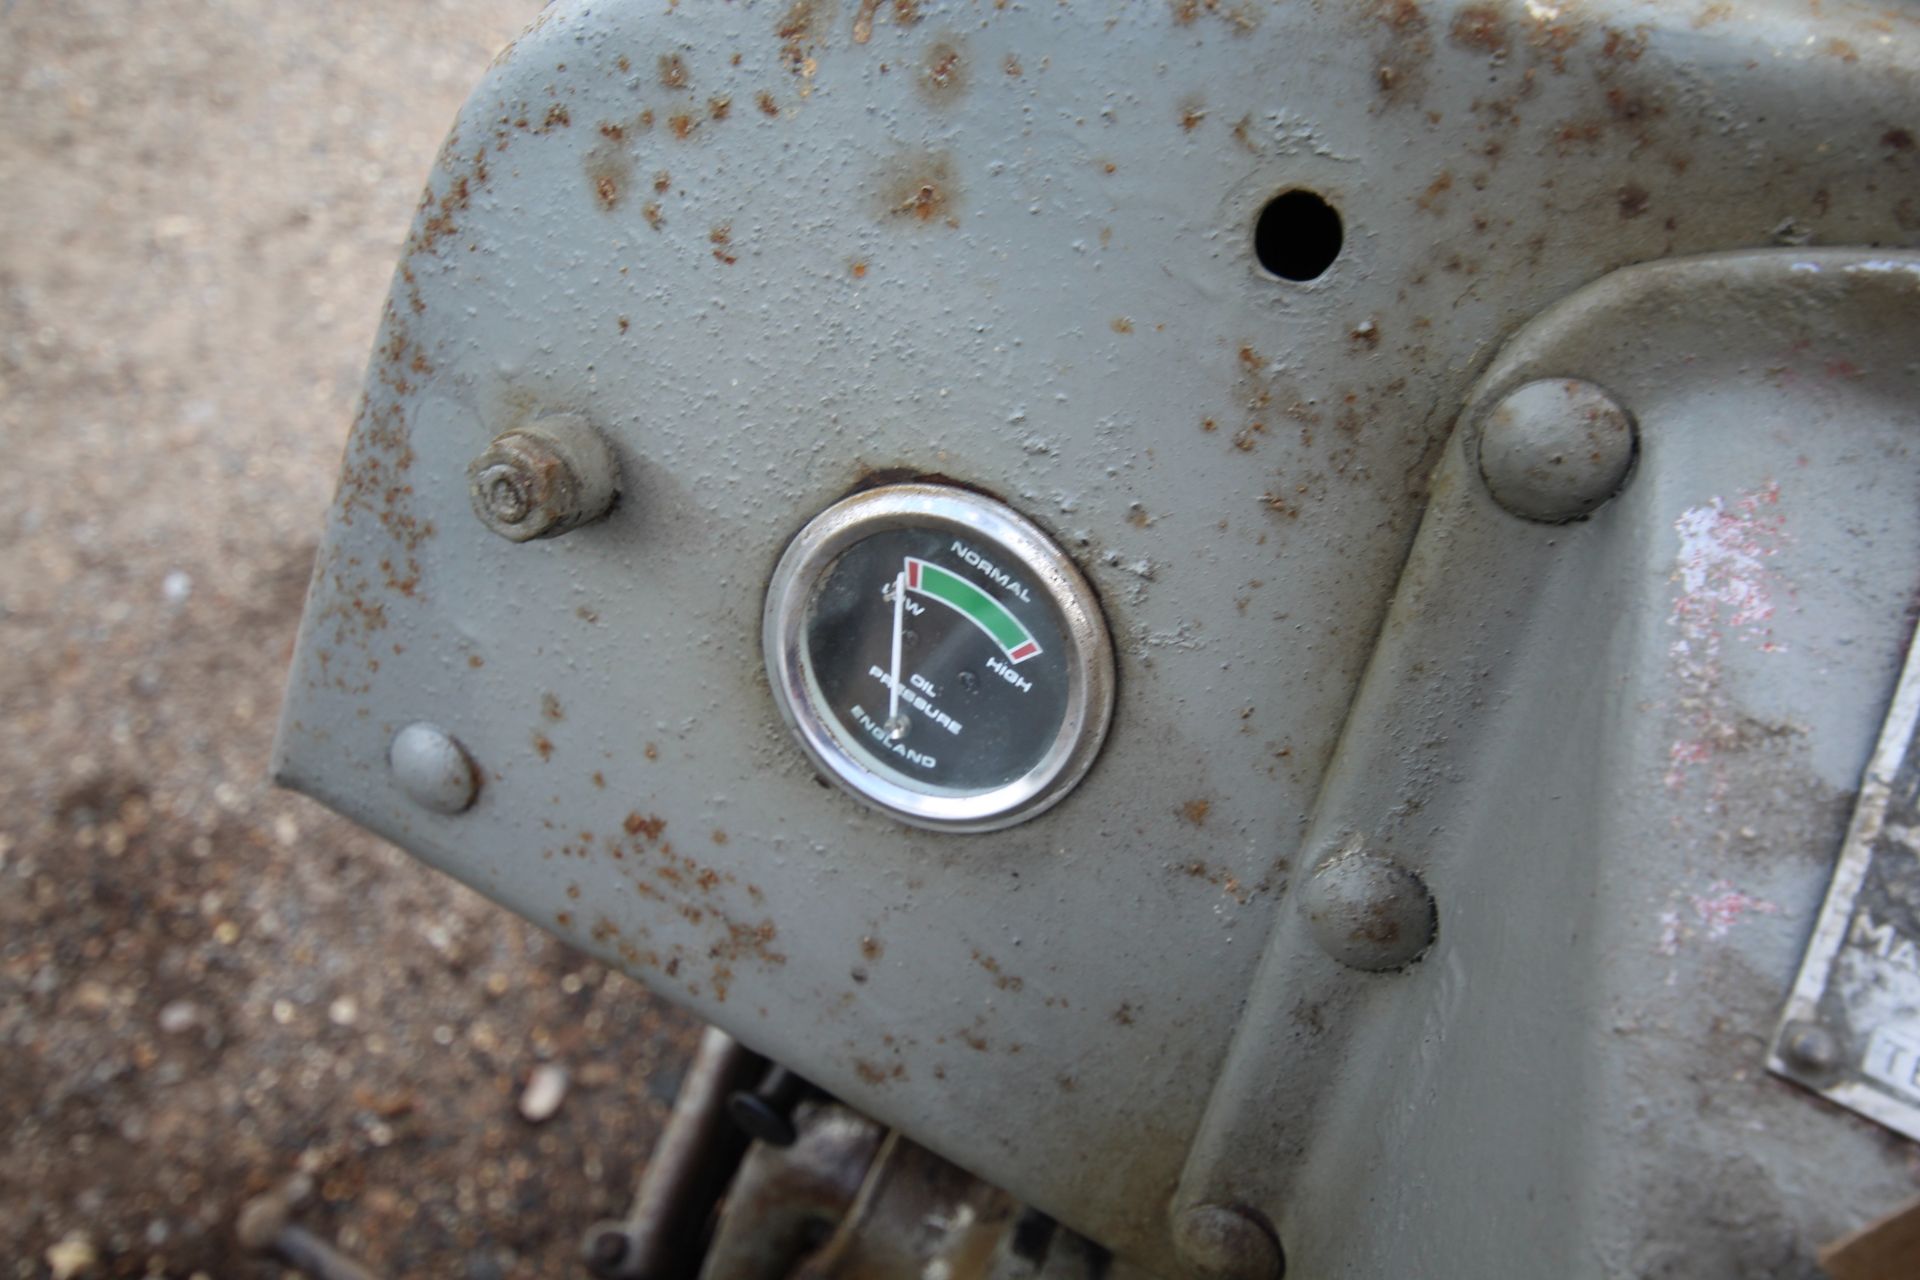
column 1809, row 1046
column 1228, row 1242
column 1369, row 912
column 435, row 771
column 1556, row 449
column 544, row 478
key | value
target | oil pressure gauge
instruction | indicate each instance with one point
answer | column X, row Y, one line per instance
column 939, row 657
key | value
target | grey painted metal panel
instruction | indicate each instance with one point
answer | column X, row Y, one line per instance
column 770, row 258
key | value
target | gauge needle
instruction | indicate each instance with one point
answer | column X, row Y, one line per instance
column 897, row 723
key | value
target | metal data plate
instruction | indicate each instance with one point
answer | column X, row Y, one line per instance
column 1851, row 1029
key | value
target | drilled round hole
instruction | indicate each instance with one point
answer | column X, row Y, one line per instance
column 1298, row 235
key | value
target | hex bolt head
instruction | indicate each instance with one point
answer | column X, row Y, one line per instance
column 543, row 479
column 1556, row 449
column 1810, row 1047
column 1227, row 1242
column 432, row 769
column 1369, row 912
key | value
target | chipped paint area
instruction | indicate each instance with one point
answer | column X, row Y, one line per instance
column 1726, row 592
column 1711, row 915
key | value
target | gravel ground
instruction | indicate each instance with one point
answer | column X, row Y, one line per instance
column 206, row 984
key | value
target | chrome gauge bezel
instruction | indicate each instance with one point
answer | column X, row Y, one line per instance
column 1089, row 662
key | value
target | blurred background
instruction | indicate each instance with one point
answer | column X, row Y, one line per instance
column 207, row 985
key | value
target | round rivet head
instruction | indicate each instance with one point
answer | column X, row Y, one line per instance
column 1227, row 1242
column 1556, row 449
column 1809, row 1046
column 543, row 479
column 432, row 769
column 1369, row 912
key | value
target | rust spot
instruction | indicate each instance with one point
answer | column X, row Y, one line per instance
column 1623, row 46
column 683, row 124
column 1433, row 199
column 550, row 707
column 564, row 919
column 647, row 826
column 1366, row 334
column 871, row 1073
column 609, row 170
column 1629, row 108
column 1633, row 200
column 719, row 108
column 1004, row 981
column 1402, row 17
column 943, row 73
column 438, row 219
column 624, row 323
column 599, row 779
column 1405, row 49
column 1480, row 26
column 623, row 63
column 662, row 180
column 1011, row 65
column 1192, row 112
column 651, row 212
column 871, row 947
column 919, row 187
column 1252, row 359
column 557, row 117
column 1121, row 324
column 1123, row 1016
column 719, row 836
column 1842, row 50
column 543, row 745
column 651, row 752
column 768, row 107
column 797, row 31
column 857, row 269
column 475, row 660
column 1241, row 17
column 1581, row 134
column 1280, row 506
column 673, row 72
column 721, row 238
column 608, row 129
column 1196, row 811
column 1208, row 424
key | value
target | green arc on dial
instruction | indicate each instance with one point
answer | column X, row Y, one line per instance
column 975, row 605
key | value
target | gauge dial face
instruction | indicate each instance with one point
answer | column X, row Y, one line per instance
column 939, row 656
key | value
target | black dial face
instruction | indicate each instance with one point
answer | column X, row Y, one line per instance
column 940, row 657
